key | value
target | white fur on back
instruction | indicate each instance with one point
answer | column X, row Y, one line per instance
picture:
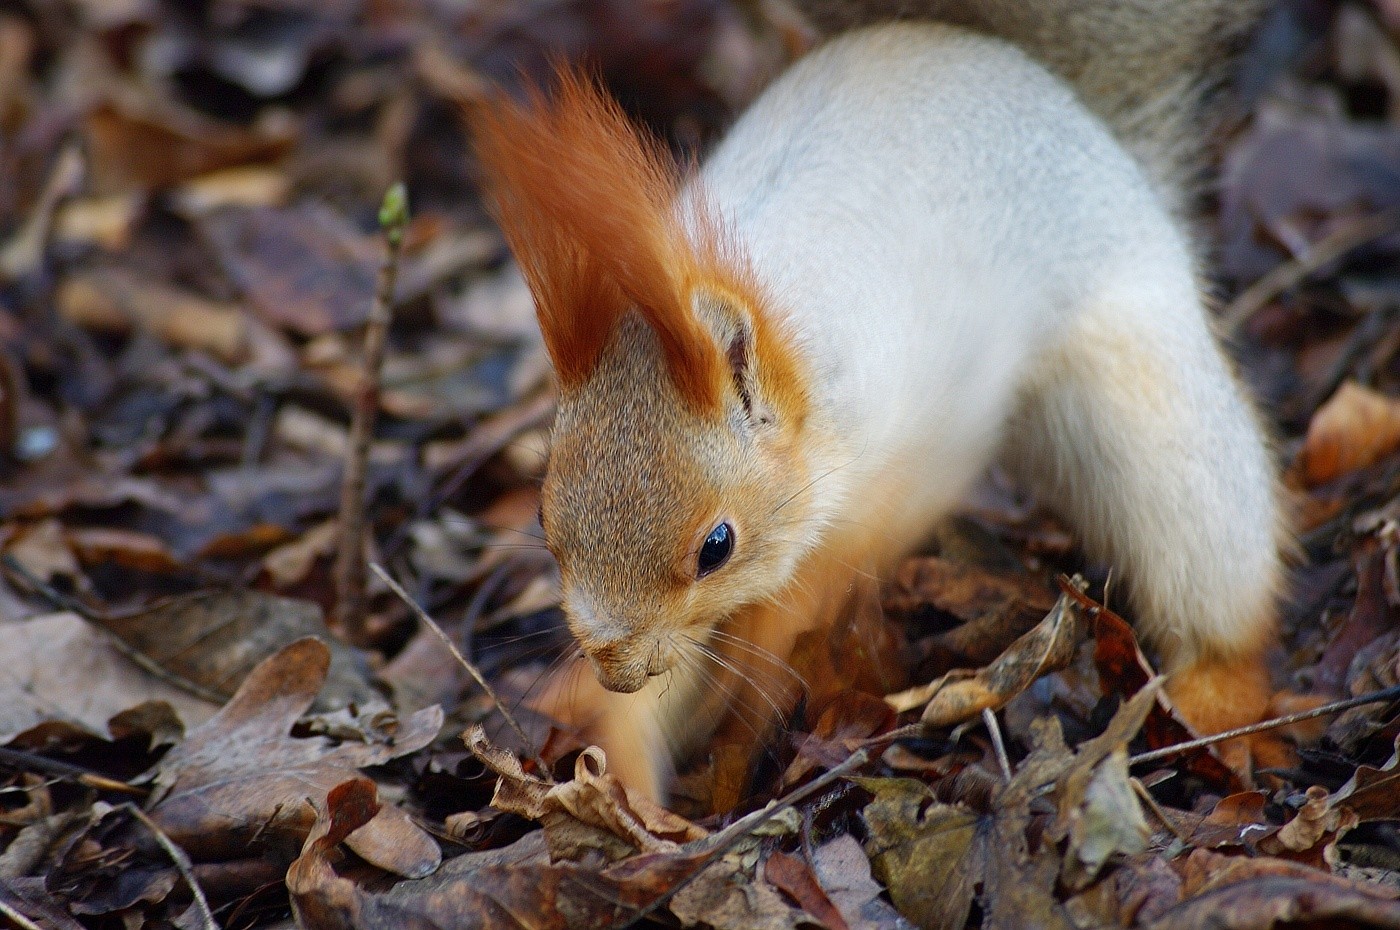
column 956, row 243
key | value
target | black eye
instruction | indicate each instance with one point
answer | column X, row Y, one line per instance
column 715, row 551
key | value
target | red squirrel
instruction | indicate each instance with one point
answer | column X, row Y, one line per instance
column 929, row 246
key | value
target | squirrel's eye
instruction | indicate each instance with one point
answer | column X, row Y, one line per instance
column 715, row 551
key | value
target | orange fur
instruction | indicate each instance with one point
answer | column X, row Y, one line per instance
column 1215, row 695
column 587, row 204
column 638, row 732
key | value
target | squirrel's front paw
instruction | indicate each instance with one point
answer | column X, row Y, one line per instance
column 1215, row 695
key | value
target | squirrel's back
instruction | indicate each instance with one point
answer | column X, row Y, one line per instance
column 931, row 208
column 1146, row 67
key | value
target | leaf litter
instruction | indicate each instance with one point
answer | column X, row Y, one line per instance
column 187, row 259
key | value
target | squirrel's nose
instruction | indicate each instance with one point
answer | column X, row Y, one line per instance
column 621, row 676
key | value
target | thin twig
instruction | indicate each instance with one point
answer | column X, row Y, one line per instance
column 1290, row 274
column 721, row 842
column 994, row 729
column 29, row 762
column 466, row 663
column 103, row 622
column 23, row 922
column 182, row 862
column 350, row 562
column 1375, row 697
column 25, row 251
column 1151, row 804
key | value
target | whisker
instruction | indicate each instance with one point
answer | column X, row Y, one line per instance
column 826, row 474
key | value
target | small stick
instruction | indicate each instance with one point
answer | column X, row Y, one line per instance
column 467, row 664
column 1290, row 274
column 1151, row 804
column 23, row 922
column 103, row 622
column 182, row 862
column 990, row 719
column 29, row 762
column 350, row 561
column 24, row 251
column 721, row 842
column 1375, row 697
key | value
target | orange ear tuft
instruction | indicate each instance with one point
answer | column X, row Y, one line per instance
column 587, row 205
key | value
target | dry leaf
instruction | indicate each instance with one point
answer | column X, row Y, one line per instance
column 241, row 777
column 59, row 667
column 1356, row 428
column 113, row 298
column 214, row 639
column 500, row 889
column 930, row 855
column 960, row 696
column 590, row 808
column 304, row 267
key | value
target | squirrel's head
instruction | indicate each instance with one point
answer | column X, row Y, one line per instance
column 673, row 493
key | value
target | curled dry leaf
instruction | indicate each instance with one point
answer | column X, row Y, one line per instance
column 1372, row 793
column 1319, row 818
column 960, row 696
column 499, row 889
column 1357, row 427
column 241, row 777
column 724, row 897
column 593, row 811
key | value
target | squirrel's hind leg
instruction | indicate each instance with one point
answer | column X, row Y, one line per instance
column 1134, row 427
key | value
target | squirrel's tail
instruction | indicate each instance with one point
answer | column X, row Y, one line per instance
column 1145, row 66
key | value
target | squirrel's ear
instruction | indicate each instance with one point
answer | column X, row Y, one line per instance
column 730, row 325
column 764, row 374
column 586, row 202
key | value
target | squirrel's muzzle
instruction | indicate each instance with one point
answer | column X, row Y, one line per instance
column 621, row 669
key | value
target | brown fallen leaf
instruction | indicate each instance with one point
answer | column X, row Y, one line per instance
column 114, row 299
column 46, row 552
column 1268, row 901
column 240, row 783
column 499, row 889
column 101, row 545
column 593, row 811
column 1372, row 793
column 1356, row 428
column 1236, row 820
column 726, row 897
column 59, row 667
column 304, row 267
column 213, row 640
column 795, row 878
column 843, row 870
column 995, row 607
column 1319, row 821
column 962, row 695
column 930, row 855
column 140, row 144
